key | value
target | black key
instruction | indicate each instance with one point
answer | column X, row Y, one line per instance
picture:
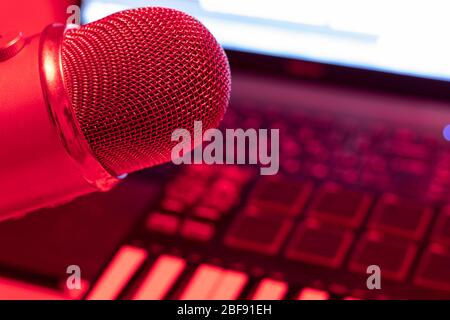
column 315, row 243
column 401, row 217
column 393, row 256
column 258, row 234
column 434, row 269
column 279, row 196
column 340, row 206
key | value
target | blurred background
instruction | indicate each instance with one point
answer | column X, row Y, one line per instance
column 401, row 36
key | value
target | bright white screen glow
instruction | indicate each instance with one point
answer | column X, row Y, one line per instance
column 402, row 36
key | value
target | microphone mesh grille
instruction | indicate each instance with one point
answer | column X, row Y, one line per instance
column 136, row 76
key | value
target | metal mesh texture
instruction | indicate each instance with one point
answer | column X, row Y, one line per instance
column 136, row 76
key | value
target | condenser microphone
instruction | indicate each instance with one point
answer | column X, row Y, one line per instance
column 82, row 107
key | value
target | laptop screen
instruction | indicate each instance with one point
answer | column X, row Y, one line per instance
column 407, row 37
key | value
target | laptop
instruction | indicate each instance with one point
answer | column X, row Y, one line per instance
column 360, row 206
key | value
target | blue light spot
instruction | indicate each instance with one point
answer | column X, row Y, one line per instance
column 446, row 132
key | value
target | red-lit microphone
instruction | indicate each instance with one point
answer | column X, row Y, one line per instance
column 83, row 106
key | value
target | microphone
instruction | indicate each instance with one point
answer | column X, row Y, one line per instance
column 81, row 107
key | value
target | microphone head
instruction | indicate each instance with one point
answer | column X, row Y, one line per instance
column 136, row 76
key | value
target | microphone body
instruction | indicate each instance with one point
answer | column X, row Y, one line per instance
column 44, row 159
column 81, row 107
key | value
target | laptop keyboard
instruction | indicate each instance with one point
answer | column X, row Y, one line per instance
column 349, row 194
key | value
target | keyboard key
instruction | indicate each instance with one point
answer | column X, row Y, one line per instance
column 279, row 196
column 202, row 282
column 173, row 205
column 315, row 149
column 186, row 190
column 346, row 159
column 313, row 294
column 407, row 150
column 11, row 289
column 269, row 289
column 230, row 286
column 206, row 213
column 441, row 232
column 350, row 176
column 290, row 166
column 258, row 234
column 200, row 172
column 221, row 195
column 315, row 243
column 408, row 166
column 160, row 279
column 17, row 290
column 340, row 206
column 162, row 222
column 317, row 170
column 393, row 256
column 197, row 230
column 434, row 269
column 373, row 163
column 236, row 173
column 401, row 217
column 118, row 273
column 75, row 294
column 290, row 147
